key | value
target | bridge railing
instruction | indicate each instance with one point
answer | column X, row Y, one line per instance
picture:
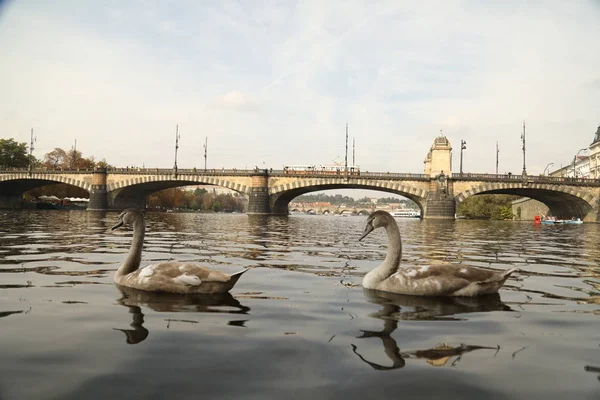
column 48, row 170
column 350, row 174
column 181, row 171
column 527, row 178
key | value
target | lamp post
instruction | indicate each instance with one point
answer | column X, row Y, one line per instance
column 549, row 164
column 497, row 152
column 574, row 160
column 463, row 146
column 523, row 139
column 176, row 146
column 33, row 139
column 205, row 149
column 74, row 158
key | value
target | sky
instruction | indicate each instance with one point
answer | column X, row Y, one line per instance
column 272, row 83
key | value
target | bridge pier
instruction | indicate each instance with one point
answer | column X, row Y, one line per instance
column 259, row 201
column 11, row 201
column 98, row 194
column 440, row 201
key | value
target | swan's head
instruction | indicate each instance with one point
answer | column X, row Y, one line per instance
column 127, row 217
column 376, row 220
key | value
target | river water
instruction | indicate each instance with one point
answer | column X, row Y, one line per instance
column 298, row 324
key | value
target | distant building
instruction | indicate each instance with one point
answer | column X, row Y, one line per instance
column 585, row 165
column 439, row 158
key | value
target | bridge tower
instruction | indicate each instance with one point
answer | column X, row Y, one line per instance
column 258, row 202
column 438, row 165
column 98, row 194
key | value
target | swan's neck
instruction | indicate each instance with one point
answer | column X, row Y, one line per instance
column 392, row 259
column 132, row 262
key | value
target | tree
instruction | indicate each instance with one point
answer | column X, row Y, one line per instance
column 13, row 154
column 487, row 206
column 57, row 158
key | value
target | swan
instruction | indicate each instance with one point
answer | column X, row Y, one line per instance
column 433, row 280
column 170, row 276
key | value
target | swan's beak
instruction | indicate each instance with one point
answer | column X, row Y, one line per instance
column 368, row 230
column 117, row 225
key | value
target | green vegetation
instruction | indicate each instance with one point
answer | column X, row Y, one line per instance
column 199, row 199
column 13, row 154
column 487, row 206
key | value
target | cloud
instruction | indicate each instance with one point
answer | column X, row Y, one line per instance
column 276, row 82
column 236, row 101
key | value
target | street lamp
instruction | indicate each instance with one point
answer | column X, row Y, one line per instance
column 176, row 146
column 33, row 140
column 463, row 146
column 575, row 159
column 523, row 139
column 549, row 164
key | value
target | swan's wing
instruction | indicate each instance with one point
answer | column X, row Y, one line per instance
column 190, row 274
column 187, row 279
column 434, row 280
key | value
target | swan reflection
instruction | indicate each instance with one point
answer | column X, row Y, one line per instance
column 134, row 299
column 396, row 307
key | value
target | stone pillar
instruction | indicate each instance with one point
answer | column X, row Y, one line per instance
column 440, row 201
column 11, row 201
column 98, row 194
column 259, row 203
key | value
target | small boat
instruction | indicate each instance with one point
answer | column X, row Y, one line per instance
column 553, row 221
column 406, row 214
column 574, row 221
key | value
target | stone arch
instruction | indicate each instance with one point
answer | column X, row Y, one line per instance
column 282, row 194
column 40, row 179
column 563, row 201
column 132, row 192
column 169, row 181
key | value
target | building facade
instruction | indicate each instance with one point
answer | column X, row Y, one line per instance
column 586, row 165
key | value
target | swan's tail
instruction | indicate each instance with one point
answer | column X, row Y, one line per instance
column 239, row 272
column 494, row 283
column 233, row 278
column 507, row 273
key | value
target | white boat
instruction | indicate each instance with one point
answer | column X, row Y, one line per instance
column 406, row 214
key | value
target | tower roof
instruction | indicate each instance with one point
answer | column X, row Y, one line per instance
column 597, row 136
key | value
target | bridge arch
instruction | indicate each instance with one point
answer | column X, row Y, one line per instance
column 19, row 183
column 562, row 201
column 282, row 194
column 132, row 192
column 12, row 186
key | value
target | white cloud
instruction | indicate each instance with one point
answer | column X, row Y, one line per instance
column 236, row 101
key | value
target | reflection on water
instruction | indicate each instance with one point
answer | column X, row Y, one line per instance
column 299, row 322
column 397, row 307
column 134, row 299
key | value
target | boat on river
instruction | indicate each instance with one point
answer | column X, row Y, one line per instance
column 554, row 221
column 406, row 214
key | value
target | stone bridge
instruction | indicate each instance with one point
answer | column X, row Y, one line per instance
column 270, row 192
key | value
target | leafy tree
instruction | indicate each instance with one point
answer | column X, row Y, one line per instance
column 199, row 199
column 13, row 154
column 59, row 158
column 487, row 206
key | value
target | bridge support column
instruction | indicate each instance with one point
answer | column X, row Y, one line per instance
column 11, row 201
column 259, row 194
column 440, row 201
column 98, row 194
